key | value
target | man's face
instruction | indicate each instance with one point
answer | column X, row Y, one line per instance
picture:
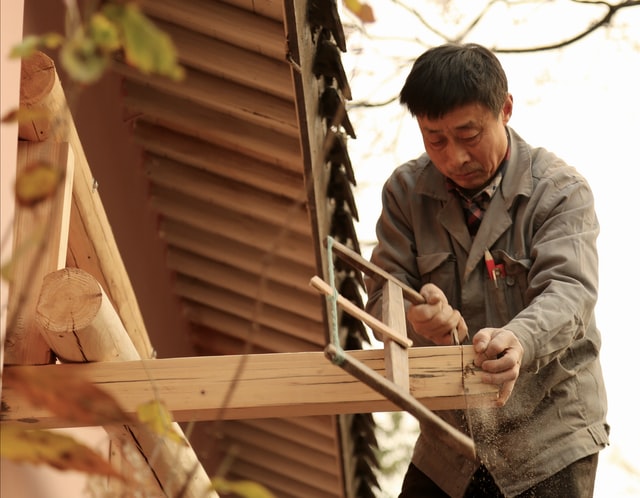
column 467, row 144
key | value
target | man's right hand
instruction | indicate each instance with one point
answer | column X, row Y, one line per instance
column 435, row 319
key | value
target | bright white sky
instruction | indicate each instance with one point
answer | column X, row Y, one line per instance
column 581, row 102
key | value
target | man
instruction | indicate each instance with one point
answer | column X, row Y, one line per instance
column 500, row 239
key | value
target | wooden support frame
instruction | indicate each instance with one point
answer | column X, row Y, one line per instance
column 267, row 385
column 80, row 324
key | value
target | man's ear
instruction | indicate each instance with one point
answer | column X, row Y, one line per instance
column 507, row 109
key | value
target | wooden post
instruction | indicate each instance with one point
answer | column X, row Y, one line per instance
column 37, row 82
column 396, row 356
column 81, row 325
column 40, row 246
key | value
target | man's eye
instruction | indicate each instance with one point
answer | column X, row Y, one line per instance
column 437, row 143
column 470, row 139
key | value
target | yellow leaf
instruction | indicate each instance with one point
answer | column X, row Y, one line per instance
column 24, row 115
column 104, row 33
column 145, row 46
column 363, row 11
column 71, row 398
column 7, row 270
column 49, row 448
column 37, row 182
column 156, row 416
column 245, row 489
column 30, row 242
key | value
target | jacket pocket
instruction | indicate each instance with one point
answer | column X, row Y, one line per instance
column 507, row 293
column 439, row 268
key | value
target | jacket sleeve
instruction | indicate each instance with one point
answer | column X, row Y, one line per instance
column 563, row 279
column 395, row 250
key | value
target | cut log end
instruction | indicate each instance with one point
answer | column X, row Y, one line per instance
column 70, row 300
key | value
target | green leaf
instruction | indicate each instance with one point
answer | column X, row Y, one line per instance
column 145, row 46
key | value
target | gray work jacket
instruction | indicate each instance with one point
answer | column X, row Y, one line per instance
column 541, row 225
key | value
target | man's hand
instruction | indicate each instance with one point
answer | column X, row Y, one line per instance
column 499, row 353
column 435, row 319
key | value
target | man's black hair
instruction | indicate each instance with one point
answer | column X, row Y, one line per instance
column 452, row 75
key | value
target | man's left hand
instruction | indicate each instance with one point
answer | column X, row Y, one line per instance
column 499, row 354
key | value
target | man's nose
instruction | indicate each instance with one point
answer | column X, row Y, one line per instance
column 456, row 155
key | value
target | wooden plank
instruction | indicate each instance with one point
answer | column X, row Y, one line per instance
column 273, row 239
column 249, row 329
column 395, row 355
column 283, row 487
column 223, row 96
column 240, row 282
column 272, row 9
column 227, row 131
column 281, row 443
column 295, row 466
column 233, row 253
column 306, row 429
column 222, row 192
column 40, row 247
column 233, row 63
column 201, row 297
column 220, row 20
column 265, row 385
column 220, row 161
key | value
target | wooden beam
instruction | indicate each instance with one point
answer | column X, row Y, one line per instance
column 265, row 385
column 40, row 247
column 81, row 325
